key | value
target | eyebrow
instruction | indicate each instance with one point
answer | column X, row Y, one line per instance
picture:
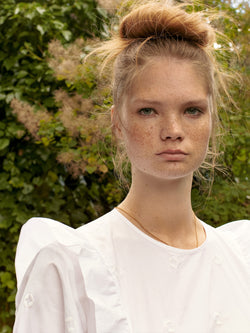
column 201, row 102
column 198, row 102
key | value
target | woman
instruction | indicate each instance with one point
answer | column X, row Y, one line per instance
column 150, row 265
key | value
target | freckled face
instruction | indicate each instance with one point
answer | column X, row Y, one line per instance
column 165, row 121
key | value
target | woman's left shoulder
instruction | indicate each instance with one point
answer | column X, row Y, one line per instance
column 240, row 231
column 240, row 227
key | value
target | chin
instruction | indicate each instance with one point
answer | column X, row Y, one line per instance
column 165, row 175
column 170, row 171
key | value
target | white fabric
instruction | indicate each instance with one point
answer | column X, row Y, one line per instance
column 109, row 277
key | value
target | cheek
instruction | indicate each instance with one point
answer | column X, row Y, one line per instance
column 208, row 131
column 201, row 137
column 202, row 134
column 139, row 138
column 203, row 131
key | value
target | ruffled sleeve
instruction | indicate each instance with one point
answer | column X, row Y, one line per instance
column 240, row 231
column 51, row 290
column 36, row 234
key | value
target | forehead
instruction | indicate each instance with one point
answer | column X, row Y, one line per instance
column 167, row 78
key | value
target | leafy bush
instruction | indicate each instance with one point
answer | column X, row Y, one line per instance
column 32, row 183
column 57, row 111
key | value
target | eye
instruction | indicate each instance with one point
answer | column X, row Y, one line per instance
column 147, row 111
column 193, row 111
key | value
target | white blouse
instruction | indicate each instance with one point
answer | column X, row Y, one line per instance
column 109, row 277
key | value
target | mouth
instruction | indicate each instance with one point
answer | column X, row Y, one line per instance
column 172, row 152
column 173, row 155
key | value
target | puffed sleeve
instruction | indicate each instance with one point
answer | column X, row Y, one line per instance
column 51, row 293
column 52, row 296
column 241, row 232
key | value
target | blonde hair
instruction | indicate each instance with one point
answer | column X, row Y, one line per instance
column 162, row 29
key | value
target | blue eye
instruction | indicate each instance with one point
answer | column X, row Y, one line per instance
column 193, row 111
column 146, row 111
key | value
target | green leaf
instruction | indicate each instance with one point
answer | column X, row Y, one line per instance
column 21, row 74
column 2, row 96
column 4, row 184
column 6, row 280
column 40, row 29
column 9, row 62
column 9, row 97
column 2, row 55
column 4, row 143
column 58, row 24
column 17, row 10
column 16, row 182
column 40, row 10
column 4, row 223
column 2, row 19
column 27, row 188
column 91, row 169
column 12, row 297
column 67, row 35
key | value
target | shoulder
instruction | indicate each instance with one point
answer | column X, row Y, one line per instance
column 98, row 236
column 239, row 234
column 235, row 234
column 43, row 231
column 52, row 290
column 98, row 228
column 240, row 229
column 37, row 234
column 52, row 260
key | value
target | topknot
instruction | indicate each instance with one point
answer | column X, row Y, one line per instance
column 162, row 21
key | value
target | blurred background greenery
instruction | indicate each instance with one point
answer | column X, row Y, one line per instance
column 55, row 151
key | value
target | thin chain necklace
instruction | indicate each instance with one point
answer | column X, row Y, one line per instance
column 152, row 235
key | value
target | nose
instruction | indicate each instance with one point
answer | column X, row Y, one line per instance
column 171, row 129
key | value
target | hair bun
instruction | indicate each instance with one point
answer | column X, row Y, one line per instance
column 157, row 20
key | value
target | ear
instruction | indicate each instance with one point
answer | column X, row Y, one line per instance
column 116, row 124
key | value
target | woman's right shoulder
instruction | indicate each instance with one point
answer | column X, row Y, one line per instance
column 39, row 233
column 36, row 234
column 49, row 277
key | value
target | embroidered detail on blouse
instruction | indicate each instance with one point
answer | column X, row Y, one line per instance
column 28, row 300
column 174, row 262
column 69, row 321
column 218, row 260
column 169, row 326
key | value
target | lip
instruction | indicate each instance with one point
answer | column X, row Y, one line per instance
column 172, row 152
column 172, row 155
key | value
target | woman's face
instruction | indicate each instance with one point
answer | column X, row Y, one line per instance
column 164, row 119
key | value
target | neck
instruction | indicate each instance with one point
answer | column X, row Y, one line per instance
column 163, row 207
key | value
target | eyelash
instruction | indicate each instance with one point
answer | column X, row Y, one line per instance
column 141, row 111
column 197, row 111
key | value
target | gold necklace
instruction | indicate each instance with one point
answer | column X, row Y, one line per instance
column 152, row 235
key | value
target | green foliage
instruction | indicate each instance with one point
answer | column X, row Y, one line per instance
column 227, row 202
column 32, row 183
column 26, row 29
column 229, row 198
column 81, row 187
